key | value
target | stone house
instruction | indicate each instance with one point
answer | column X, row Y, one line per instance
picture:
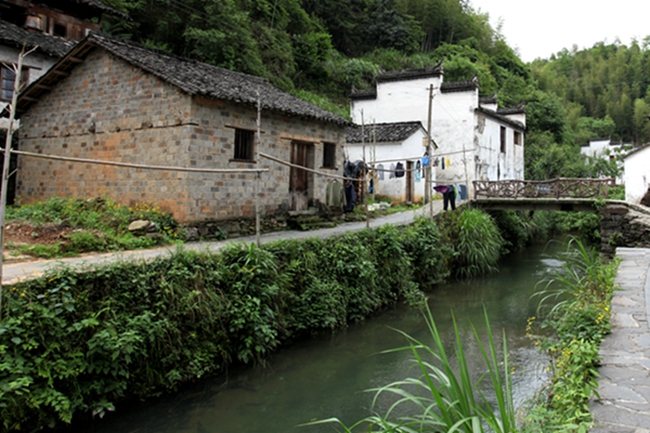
column 637, row 173
column 476, row 139
column 389, row 144
column 110, row 99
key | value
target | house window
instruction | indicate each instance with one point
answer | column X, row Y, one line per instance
column 503, row 139
column 59, row 30
column 517, row 138
column 329, row 155
column 244, row 141
column 8, row 78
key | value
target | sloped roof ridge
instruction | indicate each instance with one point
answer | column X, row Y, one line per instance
column 383, row 132
column 51, row 45
column 198, row 78
column 501, row 117
column 521, row 109
column 411, row 74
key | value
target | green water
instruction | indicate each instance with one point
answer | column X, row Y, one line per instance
column 324, row 377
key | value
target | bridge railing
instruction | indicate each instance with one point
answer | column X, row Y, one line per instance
column 556, row 188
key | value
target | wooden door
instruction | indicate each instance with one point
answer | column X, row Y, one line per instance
column 409, row 181
column 299, row 179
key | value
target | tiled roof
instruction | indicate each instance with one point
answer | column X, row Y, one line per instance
column 637, row 150
column 192, row 77
column 363, row 94
column 11, row 34
column 514, row 123
column 512, row 110
column 90, row 4
column 460, row 86
column 411, row 74
column 494, row 99
column 384, row 132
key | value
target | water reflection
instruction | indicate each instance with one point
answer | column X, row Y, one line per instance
column 325, row 377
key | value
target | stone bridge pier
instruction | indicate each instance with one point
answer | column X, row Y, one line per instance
column 624, row 225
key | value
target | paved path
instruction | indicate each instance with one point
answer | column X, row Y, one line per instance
column 19, row 271
column 624, row 384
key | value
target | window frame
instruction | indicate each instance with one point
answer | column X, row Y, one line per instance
column 329, row 155
column 24, row 77
column 517, row 137
column 244, row 145
column 503, row 139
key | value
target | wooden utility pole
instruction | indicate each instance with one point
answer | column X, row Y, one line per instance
column 428, row 183
column 363, row 174
column 259, row 175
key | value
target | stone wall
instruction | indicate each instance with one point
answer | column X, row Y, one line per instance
column 623, row 226
column 110, row 110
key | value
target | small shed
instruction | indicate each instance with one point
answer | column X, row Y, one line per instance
column 395, row 151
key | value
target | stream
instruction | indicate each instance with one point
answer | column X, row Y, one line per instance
column 325, row 376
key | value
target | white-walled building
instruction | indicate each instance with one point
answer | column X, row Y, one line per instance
column 607, row 149
column 476, row 140
column 386, row 146
column 637, row 173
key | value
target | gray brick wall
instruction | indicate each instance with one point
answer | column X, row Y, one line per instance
column 107, row 109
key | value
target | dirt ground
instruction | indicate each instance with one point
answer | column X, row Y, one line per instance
column 27, row 234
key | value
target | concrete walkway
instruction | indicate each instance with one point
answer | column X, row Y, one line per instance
column 15, row 272
column 624, row 384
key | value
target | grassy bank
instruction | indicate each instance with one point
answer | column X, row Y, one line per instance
column 73, row 344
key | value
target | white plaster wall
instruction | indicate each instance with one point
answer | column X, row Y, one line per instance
column 399, row 101
column 490, row 163
column 637, row 175
column 453, row 131
column 410, row 150
column 597, row 147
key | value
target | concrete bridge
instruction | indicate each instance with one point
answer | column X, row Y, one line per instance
column 623, row 224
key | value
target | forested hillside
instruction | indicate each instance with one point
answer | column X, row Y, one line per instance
column 321, row 49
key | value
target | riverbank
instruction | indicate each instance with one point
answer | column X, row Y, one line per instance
column 75, row 342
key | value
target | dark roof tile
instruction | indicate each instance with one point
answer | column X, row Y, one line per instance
column 460, row 86
column 384, row 132
column 514, row 123
column 411, row 74
column 11, row 34
column 193, row 77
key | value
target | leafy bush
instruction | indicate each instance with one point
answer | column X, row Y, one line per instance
column 476, row 241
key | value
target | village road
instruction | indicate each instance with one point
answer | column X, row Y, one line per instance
column 14, row 272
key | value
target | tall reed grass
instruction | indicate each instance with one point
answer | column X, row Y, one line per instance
column 443, row 397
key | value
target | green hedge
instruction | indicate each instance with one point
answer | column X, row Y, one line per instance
column 73, row 343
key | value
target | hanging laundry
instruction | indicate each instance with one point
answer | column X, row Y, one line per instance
column 392, row 171
column 350, row 197
column 436, row 162
column 399, row 170
column 418, row 173
column 443, row 162
column 335, row 195
column 425, row 160
column 380, row 169
column 448, row 162
column 371, row 188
